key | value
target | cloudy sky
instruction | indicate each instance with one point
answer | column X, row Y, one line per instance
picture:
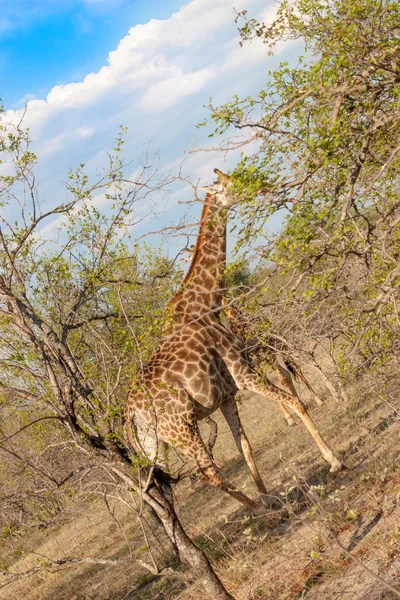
column 83, row 67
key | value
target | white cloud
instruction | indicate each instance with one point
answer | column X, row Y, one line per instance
column 156, row 82
column 168, row 92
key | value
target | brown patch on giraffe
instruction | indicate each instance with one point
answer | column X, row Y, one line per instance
column 173, row 401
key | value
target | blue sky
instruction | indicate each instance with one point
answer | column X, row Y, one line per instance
column 48, row 42
column 83, row 67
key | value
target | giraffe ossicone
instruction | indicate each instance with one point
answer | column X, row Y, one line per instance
column 200, row 365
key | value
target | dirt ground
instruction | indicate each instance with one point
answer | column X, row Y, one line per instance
column 335, row 536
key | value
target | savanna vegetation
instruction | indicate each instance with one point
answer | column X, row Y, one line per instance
column 81, row 307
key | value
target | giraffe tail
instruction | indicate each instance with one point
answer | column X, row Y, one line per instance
column 128, row 427
column 161, row 477
column 292, row 370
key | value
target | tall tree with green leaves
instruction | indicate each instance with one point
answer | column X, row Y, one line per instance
column 327, row 133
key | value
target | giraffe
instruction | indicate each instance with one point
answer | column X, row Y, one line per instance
column 268, row 354
column 200, row 366
column 259, row 355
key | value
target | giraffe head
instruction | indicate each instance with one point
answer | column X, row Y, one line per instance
column 219, row 189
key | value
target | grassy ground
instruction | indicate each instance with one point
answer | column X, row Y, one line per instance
column 297, row 551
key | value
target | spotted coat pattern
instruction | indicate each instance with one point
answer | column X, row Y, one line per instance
column 200, row 365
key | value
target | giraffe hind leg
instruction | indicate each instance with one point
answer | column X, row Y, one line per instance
column 212, row 438
column 193, row 447
column 154, row 449
column 230, row 411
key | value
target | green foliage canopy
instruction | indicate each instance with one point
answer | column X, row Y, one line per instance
column 327, row 132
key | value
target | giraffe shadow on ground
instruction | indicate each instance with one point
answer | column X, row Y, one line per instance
column 295, row 499
column 275, row 520
column 360, row 534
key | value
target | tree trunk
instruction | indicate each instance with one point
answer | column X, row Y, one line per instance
column 197, row 560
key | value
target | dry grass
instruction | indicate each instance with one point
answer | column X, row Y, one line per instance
column 283, row 555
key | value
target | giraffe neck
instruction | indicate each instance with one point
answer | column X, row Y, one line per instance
column 202, row 288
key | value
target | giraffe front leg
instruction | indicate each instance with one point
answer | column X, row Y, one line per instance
column 325, row 450
column 230, row 412
column 301, row 411
column 246, row 378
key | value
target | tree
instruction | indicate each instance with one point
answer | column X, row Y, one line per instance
column 328, row 157
column 78, row 316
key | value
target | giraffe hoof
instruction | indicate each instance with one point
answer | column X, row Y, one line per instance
column 268, row 502
column 253, row 507
column 336, row 465
column 259, row 509
column 291, row 423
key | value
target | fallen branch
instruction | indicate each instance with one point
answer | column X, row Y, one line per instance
column 68, row 560
column 358, row 562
